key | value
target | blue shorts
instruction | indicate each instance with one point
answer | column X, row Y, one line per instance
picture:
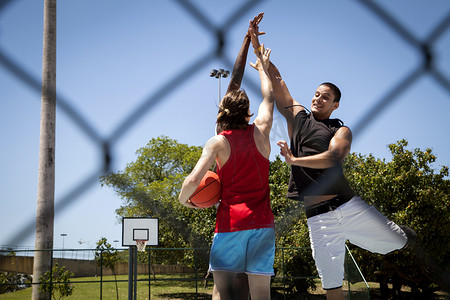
column 247, row 251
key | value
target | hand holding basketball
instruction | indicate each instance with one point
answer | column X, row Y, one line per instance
column 209, row 192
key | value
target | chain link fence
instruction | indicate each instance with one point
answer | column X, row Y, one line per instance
column 152, row 272
column 216, row 34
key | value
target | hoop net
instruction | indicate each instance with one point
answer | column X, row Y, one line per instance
column 140, row 244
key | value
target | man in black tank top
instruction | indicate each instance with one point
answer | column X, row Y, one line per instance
column 317, row 148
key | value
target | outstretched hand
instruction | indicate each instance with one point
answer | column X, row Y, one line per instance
column 263, row 59
column 253, row 30
column 286, row 152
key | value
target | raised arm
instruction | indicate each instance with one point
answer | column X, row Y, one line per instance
column 338, row 149
column 286, row 105
column 241, row 60
column 264, row 119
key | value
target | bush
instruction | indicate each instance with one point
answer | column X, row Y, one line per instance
column 12, row 281
column 56, row 281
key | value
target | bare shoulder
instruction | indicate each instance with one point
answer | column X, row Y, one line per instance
column 262, row 141
column 344, row 132
column 217, row 142
column 220, row 146
column 341, row 143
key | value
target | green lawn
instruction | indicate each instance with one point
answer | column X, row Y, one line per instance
column 177, row 287
column 165, row 287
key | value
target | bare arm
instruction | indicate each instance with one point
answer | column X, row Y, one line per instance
column 286, row 105
column 211, row 150
column 241, row 60
column 265, row 112
column 239, row 65
column 264, row 120
column 338, row 149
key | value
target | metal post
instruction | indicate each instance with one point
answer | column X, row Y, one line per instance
column 219, row 89
column 130, row 273
column 63, row 235
column 149, row 272
column 196, row 274
column 284, row 274
column 101, row 274
column 135, row 272
column 51, row 276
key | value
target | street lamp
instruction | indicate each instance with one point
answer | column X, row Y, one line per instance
column 219, row 74
column 63, row 235
column 115, row 243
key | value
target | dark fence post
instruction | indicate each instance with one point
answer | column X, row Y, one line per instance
column 101, row 274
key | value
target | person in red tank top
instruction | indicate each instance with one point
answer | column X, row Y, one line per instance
column 244, row 240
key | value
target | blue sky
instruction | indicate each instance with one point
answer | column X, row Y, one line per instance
column 113, row 56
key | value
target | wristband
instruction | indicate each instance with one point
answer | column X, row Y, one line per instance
column 259, row 50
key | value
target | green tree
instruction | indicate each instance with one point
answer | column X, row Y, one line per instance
column 149, row 187
column 291, row 231
column 408, row 191
column 107, row 257
column 56, row 281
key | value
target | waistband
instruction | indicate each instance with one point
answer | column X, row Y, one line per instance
column 327, row 206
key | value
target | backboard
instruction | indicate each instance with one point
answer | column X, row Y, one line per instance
column 139, row 229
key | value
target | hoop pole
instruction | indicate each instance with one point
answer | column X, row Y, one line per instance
column 135, row 273
column 130, row 273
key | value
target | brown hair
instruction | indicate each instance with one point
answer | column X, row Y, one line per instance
column 233, row 110
column 335, row 89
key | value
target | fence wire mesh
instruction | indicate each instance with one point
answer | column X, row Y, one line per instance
column 159, row 266
column 217, row 34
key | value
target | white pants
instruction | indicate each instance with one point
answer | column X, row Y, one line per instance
column 357, row 222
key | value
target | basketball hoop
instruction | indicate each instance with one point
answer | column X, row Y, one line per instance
column 140, row 244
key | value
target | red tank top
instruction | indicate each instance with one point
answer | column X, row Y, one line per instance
column 245, row 200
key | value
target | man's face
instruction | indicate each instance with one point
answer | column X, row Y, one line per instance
column 322, row 104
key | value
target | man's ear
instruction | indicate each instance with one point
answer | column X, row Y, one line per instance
column 336, row 105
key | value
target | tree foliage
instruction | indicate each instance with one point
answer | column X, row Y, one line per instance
column 57, row 281
column 293, row 257
column 13, row 281
column 407, row 190
column 149, row 187
column 107, row 256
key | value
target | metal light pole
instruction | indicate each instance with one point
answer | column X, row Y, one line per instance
column 219, row 74
column 115, row 243
column 63, row 235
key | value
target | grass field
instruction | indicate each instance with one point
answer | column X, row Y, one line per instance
column 165, row 287
column 173, row 287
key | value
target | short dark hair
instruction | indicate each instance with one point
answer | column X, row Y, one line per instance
column 233, row 110
column 336, row 90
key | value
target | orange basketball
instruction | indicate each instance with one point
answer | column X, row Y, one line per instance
column 208, row 192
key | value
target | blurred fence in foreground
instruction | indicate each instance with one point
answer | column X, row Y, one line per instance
column 192, row 276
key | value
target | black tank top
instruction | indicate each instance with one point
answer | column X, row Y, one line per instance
column 310, row 137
